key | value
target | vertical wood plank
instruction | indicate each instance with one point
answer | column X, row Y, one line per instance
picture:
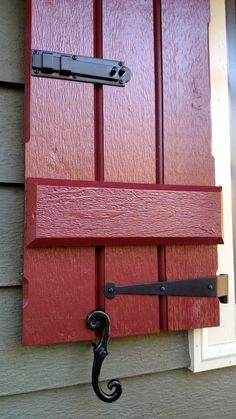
column 129, row 153
column 61, row 126
column 59, row 285
column 187, row 145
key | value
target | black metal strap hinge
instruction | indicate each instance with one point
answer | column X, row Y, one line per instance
column 78, row 68
column 216, row 286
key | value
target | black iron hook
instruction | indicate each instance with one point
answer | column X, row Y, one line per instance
column 96, row 320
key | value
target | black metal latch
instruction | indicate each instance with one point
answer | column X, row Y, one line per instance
column 216, row 286
column 79, row 68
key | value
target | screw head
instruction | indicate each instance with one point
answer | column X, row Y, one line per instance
column 121, row 63
column 210, row 286
column 102, row 353
column 74, row 76
column 121, row 82
column 74, row 57
column 162, row 288
column 36, row 71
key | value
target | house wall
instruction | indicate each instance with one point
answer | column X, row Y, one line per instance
column 54, row 381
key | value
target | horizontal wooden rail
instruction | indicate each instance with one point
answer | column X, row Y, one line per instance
column 74, row 213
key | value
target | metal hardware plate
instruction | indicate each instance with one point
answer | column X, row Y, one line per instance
column 216, row 286
column 78, row 68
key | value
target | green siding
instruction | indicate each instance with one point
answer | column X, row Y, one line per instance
column 12, row 22
column 11, row 135
column 169, row 395
column 11, row 237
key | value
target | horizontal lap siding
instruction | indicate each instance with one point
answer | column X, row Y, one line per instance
column 169, row 395
column 12, row 24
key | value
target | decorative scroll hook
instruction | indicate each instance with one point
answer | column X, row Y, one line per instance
column 100, row 320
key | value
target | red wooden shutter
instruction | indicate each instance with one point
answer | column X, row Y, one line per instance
column 97, row 158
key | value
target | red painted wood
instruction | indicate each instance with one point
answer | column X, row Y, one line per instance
column 58, row 294
column 187, row 145
column 85, row 215
column 129, row 152
column 110, row 146
column 59, row 285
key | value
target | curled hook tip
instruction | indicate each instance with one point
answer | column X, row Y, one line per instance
column 96, row 319
column 118, row 389
column 112, row 397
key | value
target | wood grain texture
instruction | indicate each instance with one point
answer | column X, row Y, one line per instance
column 12, row 27
column 58, row 295
column 129, row 151
column 129, row 113
column 98, row 214
column 61, row 130
column 38, row 368
column 59, row 144
column 169, row 395
column 11, row 235
column 11, row 135
column 187, row 144
column 186, row 93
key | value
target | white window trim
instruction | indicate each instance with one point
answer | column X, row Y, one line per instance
column 216, row 347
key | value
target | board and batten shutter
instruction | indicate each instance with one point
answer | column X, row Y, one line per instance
column 119, row 181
